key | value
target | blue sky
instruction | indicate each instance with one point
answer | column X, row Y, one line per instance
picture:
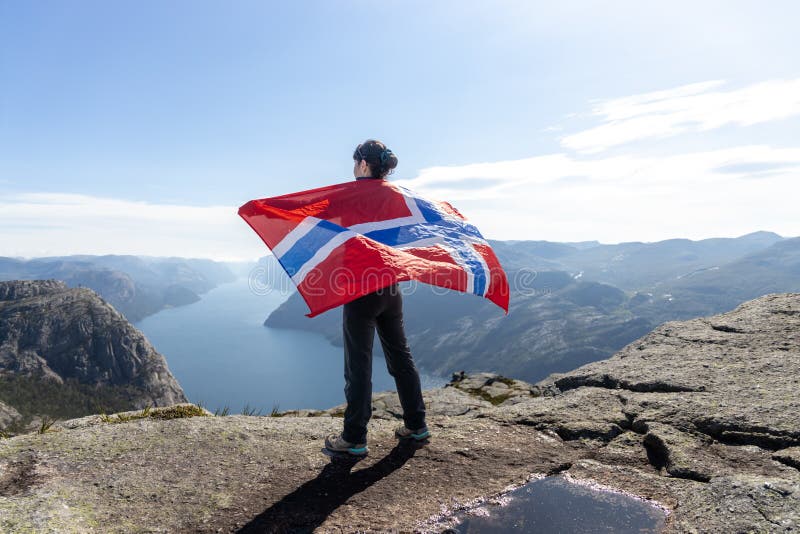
column 140, row 127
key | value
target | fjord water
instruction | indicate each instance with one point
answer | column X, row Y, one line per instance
column 222, row 355
column 557, row 505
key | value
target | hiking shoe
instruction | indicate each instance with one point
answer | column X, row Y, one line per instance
column 418, row 434
column 335, row 443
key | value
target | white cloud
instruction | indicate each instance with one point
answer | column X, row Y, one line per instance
column 47, row 224
column 688, row 108
column 497, row 180
column 726, row 192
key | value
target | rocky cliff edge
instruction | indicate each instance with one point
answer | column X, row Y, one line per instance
column 700, row 416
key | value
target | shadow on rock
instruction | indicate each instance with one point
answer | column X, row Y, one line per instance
column 309, row 506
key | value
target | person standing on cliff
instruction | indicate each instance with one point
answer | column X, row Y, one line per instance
column 381, row 309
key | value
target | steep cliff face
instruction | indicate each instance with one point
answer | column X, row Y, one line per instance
column 72, row 337
column 700, row 416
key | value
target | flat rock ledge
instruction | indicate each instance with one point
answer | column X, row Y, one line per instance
column 700, row 416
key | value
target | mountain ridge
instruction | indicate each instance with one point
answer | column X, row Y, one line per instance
column 137, row 286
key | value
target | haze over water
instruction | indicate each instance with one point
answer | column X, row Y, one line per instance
column 222, row 355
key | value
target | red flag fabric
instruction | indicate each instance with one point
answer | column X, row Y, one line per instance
column 343, row 241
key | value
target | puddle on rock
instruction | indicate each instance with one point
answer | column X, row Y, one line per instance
column 556, row 504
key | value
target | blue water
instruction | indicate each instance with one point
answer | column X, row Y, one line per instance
column 556, row 505
column 222, row 355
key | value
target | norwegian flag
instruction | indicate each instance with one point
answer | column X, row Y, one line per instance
column 343, row 241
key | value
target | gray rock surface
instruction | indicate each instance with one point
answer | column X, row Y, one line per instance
column 699, row 416
column 733, row 377
column 51, row 332
column 23, row 289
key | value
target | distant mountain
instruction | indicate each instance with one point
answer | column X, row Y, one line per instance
column 560, row 319
column 136, row 286
column 705, row 291
column 66, row 352
column 632, row 266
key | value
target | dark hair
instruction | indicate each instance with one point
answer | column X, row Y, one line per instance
column 380, row 159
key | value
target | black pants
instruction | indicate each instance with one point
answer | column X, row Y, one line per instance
column 382, row 309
